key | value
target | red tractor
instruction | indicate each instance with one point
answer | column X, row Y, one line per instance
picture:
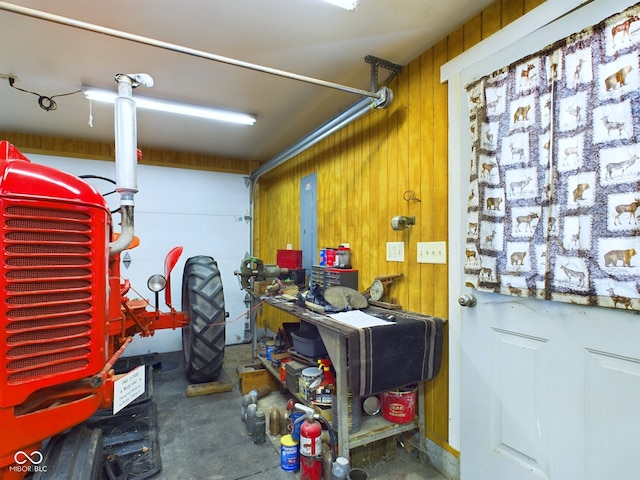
column 66, row 317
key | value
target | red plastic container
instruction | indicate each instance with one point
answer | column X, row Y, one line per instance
column 331, row 257
column 399, row 406
column 291, row 259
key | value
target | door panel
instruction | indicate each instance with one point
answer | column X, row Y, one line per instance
column 518, row 368
column 503, row 389
column 547, row 390
column 612, row 395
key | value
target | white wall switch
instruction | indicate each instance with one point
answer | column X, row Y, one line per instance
column 395, row 251
column 432, row 252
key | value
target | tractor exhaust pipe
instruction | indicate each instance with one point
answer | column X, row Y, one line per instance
column 126, row 153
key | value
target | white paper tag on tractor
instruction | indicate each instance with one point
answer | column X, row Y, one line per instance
column 128, row 388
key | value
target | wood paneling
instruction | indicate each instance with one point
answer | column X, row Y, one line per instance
column 364, row 170
column 65, row 147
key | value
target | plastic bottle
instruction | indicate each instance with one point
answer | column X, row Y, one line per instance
column 339, row 469
column 260, row 427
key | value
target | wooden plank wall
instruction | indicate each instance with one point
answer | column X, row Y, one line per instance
column 85, row 149
column 363, row 173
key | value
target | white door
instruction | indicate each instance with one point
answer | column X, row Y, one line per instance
column 545, row 389
column 548, row 391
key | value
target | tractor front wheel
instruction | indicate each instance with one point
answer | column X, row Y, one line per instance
column 204, row 338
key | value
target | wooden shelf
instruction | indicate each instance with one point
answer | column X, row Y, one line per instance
column 375, row 428
column 334, row 336
column 372, row 427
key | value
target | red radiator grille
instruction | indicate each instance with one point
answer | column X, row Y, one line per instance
column 48, row 292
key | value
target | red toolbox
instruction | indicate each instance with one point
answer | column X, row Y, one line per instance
column 291, row 259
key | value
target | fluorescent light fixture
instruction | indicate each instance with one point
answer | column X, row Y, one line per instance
column 346, row 4
column 109, row 96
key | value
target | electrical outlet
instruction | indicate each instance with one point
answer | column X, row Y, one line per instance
column 432, row 252
column 395, row 251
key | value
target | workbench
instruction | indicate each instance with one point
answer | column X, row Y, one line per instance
column 336, row 337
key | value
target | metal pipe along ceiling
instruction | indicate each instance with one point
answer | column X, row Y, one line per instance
column 355, row 111
column 341, row 120
column 29, row 12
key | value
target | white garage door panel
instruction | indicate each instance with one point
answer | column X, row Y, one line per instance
column 519, row 361
column 613, row 432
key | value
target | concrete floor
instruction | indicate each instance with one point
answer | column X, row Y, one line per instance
column 204, row 438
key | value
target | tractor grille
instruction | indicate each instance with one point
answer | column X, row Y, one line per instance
column 48, row 291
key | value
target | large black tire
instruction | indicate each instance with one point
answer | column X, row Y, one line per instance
column 203, row 339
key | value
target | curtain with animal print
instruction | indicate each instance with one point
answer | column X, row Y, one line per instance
column 555, row 171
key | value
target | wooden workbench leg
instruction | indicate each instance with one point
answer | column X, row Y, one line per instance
column 422, row 453
column 336, row 345
column 253, row 324
column 342, row 396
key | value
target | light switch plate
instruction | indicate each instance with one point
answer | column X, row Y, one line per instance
column 395, row 251
column 432, row 252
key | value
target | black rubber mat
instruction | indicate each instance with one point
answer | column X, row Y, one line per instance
column 130, row 438
column 130, row 441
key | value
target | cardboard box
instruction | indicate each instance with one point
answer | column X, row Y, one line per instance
column 251, row 377
column 292, row 371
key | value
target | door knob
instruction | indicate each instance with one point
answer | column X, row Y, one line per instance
column 467, row 300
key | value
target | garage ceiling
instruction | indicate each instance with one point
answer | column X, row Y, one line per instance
column 306, row 37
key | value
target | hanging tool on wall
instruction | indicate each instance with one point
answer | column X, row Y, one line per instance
column 379, row 288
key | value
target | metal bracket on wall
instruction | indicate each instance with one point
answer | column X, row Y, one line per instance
column 379, row 62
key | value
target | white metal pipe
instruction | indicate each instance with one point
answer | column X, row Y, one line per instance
column 126, row 138
column 345, row 117
column 354, row 111
column 29, row 12
column 126, row 143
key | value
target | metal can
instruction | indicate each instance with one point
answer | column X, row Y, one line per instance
column 259, row 428
column 270, row 348
column 289, row 454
